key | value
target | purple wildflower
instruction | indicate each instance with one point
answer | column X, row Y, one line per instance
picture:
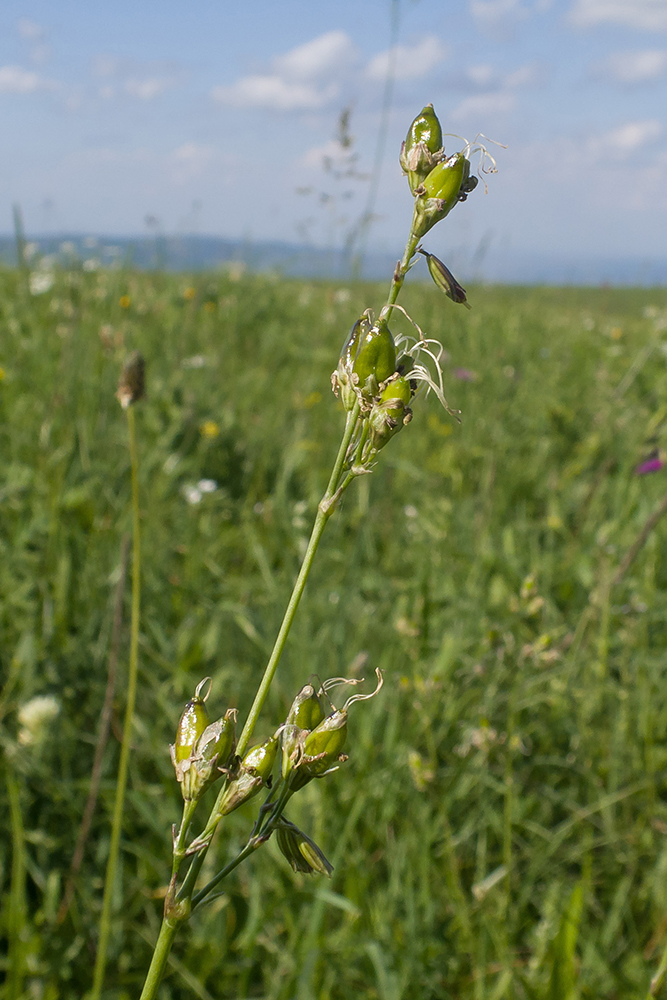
column 651, row 465
column 465, row 374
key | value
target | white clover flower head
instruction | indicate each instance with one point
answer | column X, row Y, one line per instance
column 34, row 717
column 191, row 493
column 207, row 486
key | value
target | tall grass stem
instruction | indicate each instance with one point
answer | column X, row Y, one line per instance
column 117, row 823
column 17, row 902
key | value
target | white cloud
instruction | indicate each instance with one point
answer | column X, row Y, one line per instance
column 481, row 76
column 30, row 30
column 148, row 88
column 484, row 106
column 190, row 161
column 272, row 93
column 144, row 81
column 625, row 140
column 15, row 80
column 644, row 15
column 325, row 56
column 502, row 98
column 35, row 34
column 411, row 62
column 303, row 79
column 634, row 67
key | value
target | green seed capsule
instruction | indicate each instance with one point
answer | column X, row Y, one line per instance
column 302, row 853
column 260, row 760
column 425, row 128
column 217, row 740
column 342, row 379
column 306, row 711
column 444, row 279
column 193, row 722
column 444, row 181
column 253, row 773
column 376, row 358
column 398, row 389
column 422, row 148
column 328, row 739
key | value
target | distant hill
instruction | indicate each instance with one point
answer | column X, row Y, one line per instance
column 195, row 253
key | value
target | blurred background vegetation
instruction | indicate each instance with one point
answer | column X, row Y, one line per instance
column 500, row 829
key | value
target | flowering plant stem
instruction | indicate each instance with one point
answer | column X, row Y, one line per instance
column 117, row 822
column 185, row 899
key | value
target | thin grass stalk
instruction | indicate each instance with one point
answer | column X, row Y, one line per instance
column 17, row 901
column 117, row 823
column 102, row 737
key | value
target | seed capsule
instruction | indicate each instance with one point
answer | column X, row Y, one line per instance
column 388, row 415
column 376, row 358
column 444, row 279
column 327, row 740
column 253, row 772
column 192, row 724
column 422, row 148
column 306, row 711
column 440, row 191
column 302, row 853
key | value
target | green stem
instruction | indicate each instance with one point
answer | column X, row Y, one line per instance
column 179, row 844
column 324, row 512
column 400, row 272
column 17, row 907
column 657, row 979
column 160, row 959
column 117, row 822
column 259, row 837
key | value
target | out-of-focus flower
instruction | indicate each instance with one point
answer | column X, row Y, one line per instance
column 189, row 293
column 653, row 463
column 209, row 429
column 465, row 375
column 124, row 301
column 196, row 361
column 40, row 282
column 207, row 486
column 34, row 717
column 191, row 494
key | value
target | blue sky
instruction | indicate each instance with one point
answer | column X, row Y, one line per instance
column 211, row 116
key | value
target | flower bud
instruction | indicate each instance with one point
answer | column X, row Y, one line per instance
column 446, row 184
column 132, row 382
column 422, row 148
column 444, row 279
column 302, row 853
column 253, row 772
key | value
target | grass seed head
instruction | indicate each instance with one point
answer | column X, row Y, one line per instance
column 132, row 382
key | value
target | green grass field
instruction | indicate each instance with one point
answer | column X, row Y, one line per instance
column 500, row 829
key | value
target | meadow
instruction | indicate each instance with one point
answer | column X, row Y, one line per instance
column 500, row 827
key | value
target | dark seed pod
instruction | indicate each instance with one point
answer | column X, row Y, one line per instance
column 132, row 382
